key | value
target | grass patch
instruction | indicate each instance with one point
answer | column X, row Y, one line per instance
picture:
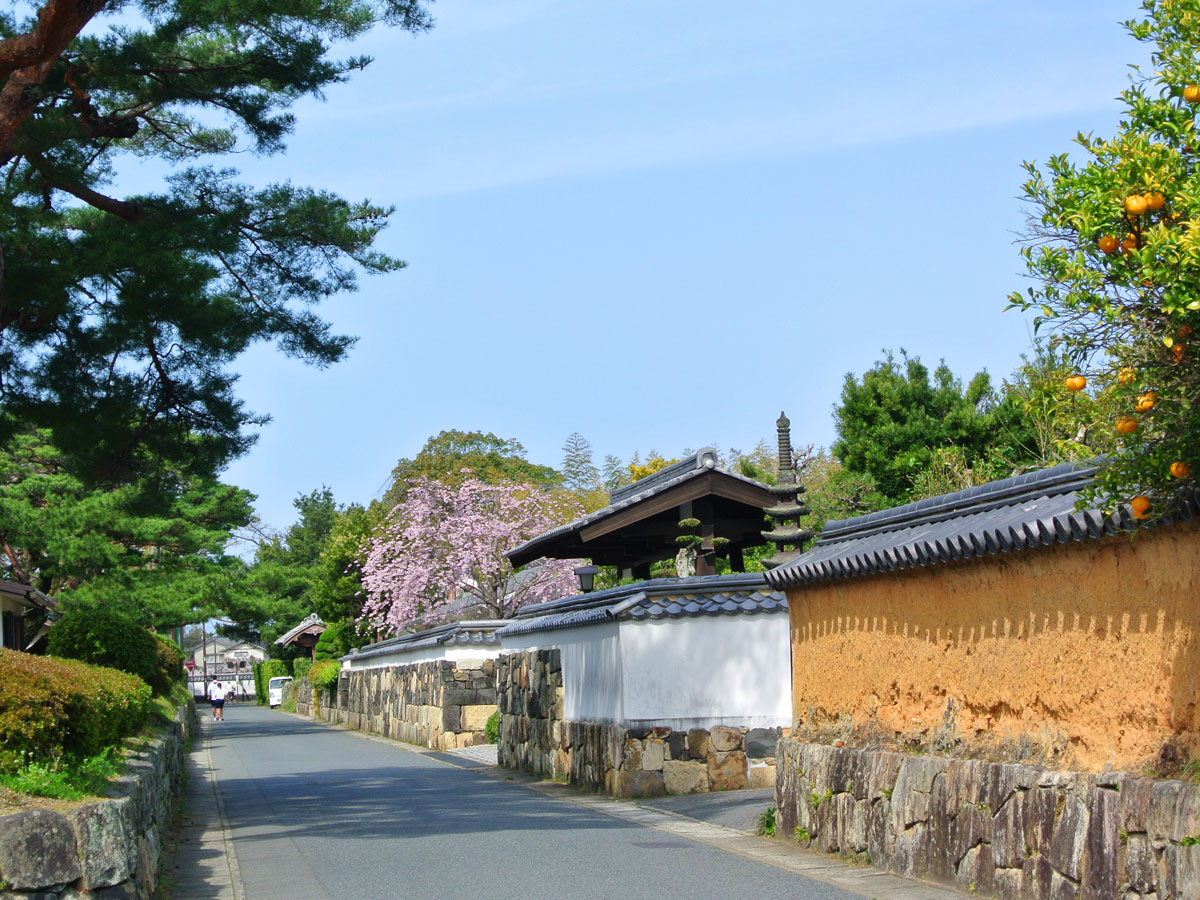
column 66, row 779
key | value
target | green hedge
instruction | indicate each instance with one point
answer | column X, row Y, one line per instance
column 264, row 672
column 260, row 684
column 51, row 708
column 300, row 668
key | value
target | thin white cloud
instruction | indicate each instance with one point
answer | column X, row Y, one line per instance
column 841, row 123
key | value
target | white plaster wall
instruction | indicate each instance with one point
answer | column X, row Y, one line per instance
column 591, row 669
column 701, row 671
column 401, row 657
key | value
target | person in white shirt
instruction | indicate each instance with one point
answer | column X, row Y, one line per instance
column 216, row 696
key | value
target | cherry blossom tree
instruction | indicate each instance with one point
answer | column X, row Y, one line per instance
column 445, row 543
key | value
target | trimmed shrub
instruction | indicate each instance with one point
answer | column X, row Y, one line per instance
column 51, row 708
column 492, row 729
column 96, row 635
column 300, row 668
column 324, row 674
column 334, row 642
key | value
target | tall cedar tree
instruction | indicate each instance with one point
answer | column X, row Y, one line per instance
column 579, row 473
column 121, row 316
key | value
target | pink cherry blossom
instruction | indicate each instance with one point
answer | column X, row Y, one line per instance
column 439, row 552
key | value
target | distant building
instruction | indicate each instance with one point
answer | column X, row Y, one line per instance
column 222, row 656
column 25, row 617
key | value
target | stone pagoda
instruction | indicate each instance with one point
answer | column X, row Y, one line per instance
column 787, row 536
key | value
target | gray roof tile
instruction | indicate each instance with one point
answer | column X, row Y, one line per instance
column 659, row 598
column 1033, row 510
column 477, row 632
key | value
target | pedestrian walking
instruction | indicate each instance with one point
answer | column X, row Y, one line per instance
column 216, row 696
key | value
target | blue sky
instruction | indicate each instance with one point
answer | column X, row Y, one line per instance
column 658, row 224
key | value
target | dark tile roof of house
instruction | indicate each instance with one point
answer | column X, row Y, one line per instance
column 658, row 598
column 478, row 632
column 697, row 464
column 1037, row 509
column 30, row 595
column 311, row 624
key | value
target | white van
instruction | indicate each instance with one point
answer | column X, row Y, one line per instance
column 275, row 690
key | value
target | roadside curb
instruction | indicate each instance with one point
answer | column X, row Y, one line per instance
column 205, row 862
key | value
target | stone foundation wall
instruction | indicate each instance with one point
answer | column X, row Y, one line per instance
column 1005, row 830
column 107, row 848
column 624, row 761
column 442, row 705
column 529, row 693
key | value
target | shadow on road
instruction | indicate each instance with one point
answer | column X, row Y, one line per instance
column 366, row 791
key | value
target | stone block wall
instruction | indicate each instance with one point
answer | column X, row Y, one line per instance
column 110, row 848
column 442, row 704
column 621, row 760
column 529, row 693
column 1005, row 830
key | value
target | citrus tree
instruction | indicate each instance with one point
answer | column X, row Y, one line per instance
column 1114, row 244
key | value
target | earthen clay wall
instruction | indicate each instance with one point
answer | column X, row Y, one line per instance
column 1081, row 656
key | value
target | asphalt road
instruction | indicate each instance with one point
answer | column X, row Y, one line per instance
column 316, row 812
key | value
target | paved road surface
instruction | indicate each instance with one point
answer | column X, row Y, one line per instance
column 317, row 812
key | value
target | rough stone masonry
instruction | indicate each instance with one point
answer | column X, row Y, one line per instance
column 1011, row 831
column 106, row 849
column 442, row 704
column 621, row 760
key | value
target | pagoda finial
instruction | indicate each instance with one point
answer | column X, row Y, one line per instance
column 787, row 467
column 787, row 535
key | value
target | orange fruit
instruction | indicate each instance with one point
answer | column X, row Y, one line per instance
column 1146, row 401
column 1109, row 243
column 1185, row 332
column 1076, row 382
column 1129, row 244
column 1155, row 200
column 1135, row 204
column 1177, row 352
column 1180, row 469
column 1191, row 93
column 1126, row 375
column 1127, row 424
column 1140, row 506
